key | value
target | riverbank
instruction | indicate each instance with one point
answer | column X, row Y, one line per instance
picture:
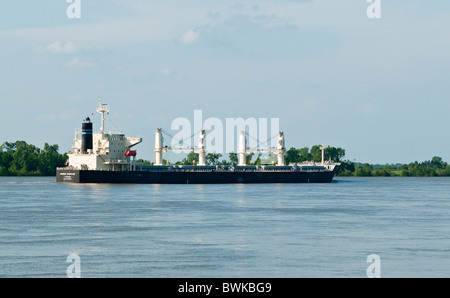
column 22, row 159
column 435, row 167
column 26, row 160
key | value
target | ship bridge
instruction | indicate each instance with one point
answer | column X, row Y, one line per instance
column 102, row 150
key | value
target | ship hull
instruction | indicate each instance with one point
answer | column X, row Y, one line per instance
column 148, row 177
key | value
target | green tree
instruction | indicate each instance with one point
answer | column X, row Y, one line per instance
column 49, row 159
column 4, row 171
column 258, row 159
column 347, row 168
column 20, row 158
column 213, row 158
column 190, row 159
column 331, row 153
column 224, row 162
column 383, row 172
column 335, row 154
column 364, row 171
column 404, row 173
column 233, row 157
column 292, row 155
column 437, row 162
column 144, row 162
column 248, row 158
column 25, row 158
column 305, row 155
column 316, row 153
column 6, row 157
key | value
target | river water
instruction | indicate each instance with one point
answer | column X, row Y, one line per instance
column 270, row 230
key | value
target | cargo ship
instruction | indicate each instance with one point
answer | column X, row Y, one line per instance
column 105, row 157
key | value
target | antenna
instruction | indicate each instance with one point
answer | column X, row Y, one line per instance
column 102, row 109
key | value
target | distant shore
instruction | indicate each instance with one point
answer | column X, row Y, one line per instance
column 22, row 159
column 435, row 167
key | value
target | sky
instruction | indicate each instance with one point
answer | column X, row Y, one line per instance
column 377, row 87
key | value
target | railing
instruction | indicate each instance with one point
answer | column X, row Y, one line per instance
column 305, row 167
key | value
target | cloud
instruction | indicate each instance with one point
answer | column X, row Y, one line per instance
column 264, row 37
column 166, row 72
column 166, row 24
column 66, row 48
column 190, row 37
column 62, row 48
column 76, row 63
column 59, row 47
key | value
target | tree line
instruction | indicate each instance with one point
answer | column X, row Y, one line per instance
column 429, row 168
column 434, row 167
column 22, row 159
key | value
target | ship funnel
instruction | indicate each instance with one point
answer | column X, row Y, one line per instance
column 86, row 137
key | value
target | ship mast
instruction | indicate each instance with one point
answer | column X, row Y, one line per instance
column 102, row 109
column 323, row 148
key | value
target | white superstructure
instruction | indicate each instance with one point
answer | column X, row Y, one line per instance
column 109, row 152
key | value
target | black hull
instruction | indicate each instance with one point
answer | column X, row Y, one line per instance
column 196, row 177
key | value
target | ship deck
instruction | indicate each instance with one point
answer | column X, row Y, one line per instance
column 235, row 168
